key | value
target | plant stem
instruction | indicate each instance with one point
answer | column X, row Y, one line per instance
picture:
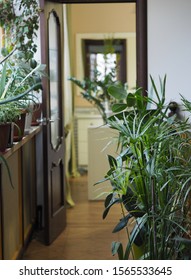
column 153, row 217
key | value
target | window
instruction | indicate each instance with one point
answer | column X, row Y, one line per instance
column 105, row 56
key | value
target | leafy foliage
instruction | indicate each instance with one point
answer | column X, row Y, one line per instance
column 96, row 91
column 150, row 177
column 20, row 20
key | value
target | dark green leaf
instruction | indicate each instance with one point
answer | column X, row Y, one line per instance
column 112, row 161
column 108, row 199
column 131, row 100
column 123, row 222
column 117, row 92
column 113, row 201
column 116, row 108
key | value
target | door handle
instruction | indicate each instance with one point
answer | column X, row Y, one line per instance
column 45, row 121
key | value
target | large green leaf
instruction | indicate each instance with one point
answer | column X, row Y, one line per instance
column 117, row 92
column 19, row 96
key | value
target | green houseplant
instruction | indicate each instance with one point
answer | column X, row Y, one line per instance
column 20, row 74
column 17, row 85
column 16, row 77
column 96, row 92
column 95, row 89
column 20, row 20
column 8, row 114
column 150, row 178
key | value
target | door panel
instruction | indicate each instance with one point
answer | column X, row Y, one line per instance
column 53, row 139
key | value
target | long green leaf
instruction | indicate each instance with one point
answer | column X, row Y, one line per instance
column 3, row 80
column 123, row 223
column 19, row 96
column 116, row 108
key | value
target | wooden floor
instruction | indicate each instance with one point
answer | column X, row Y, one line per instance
column 87, row 236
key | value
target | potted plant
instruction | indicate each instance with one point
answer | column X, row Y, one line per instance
column 8, row 114
column 150, row 177
column 20, row 74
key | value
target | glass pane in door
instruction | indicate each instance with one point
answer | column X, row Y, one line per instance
column 54, row 76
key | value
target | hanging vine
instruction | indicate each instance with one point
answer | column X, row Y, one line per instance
column 20, row 22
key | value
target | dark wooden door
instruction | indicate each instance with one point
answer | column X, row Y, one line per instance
column 53, row 128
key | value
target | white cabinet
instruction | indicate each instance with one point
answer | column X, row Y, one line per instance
column 84, row 120
column 102, row 141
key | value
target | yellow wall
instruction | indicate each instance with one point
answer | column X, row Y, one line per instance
column 103, row 18
column 99, row 18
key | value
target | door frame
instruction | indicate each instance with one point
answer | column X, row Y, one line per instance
column 141, row 35
column 141, row 51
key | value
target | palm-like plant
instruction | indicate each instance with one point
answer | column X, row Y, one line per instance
column 150, row 178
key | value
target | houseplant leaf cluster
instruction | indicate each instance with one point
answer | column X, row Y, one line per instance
column 18, row 82
column 150, row 178
column 96, row 91
column 94, row 88
column 20, row 20
column 20, row 74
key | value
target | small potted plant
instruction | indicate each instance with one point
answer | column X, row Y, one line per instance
column 8, row 114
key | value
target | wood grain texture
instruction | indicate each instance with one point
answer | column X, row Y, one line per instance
column 87, row 236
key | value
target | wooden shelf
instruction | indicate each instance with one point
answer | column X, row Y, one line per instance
column 17, row 145
column 18, row 205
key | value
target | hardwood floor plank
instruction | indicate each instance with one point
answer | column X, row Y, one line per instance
column 87, row 236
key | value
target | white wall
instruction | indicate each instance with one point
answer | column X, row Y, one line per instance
column 169, row 45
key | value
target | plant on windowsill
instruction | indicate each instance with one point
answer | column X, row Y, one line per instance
column 20, row 22
column 20, row 74
column 95, row 88
column 96, row 92
column 150, row 179
column 8, row 114
column 17, row 84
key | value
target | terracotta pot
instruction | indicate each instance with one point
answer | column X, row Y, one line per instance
column 5, row 130
column 19, row 128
